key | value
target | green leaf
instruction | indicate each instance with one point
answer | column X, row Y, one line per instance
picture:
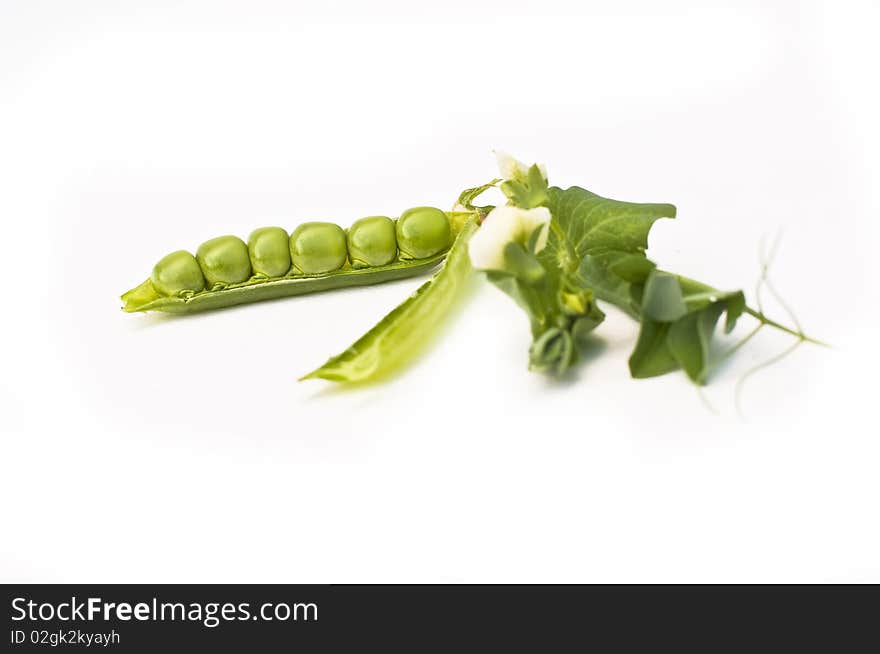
column 632, row 268
column 736, row 306
column 690, row 338
column 403, row 333
column 594, row 273
column 662, row 299
column 651, row 356
column 602, row 242
column 590, row 234
column 733, row 301
column 586, row 223
column 583, row 327
column 677, row 329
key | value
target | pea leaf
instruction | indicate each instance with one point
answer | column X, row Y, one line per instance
column 588, row 224
column 690, row 337
column 632, row 268
column 689, row 340
column 595, row 273
column 652, row 356
column 662, row 299
column 733, row 301
column 602, row 242
column 677, row 329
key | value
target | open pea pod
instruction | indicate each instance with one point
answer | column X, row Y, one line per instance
column 396, row 339
column 401, row 335
column 317, row 256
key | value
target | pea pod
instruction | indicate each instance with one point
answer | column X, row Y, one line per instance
column 317, row 256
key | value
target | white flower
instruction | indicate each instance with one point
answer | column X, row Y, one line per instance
column 505, row 225
column 511, row 168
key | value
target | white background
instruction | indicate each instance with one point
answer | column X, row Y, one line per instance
column 147, row 448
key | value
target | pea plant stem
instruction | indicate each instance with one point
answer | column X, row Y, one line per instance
column 764, row 320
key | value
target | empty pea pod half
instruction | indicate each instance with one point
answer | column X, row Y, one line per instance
column 316, row 256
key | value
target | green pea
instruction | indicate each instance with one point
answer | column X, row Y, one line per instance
column 176, row 272
column 224, row 260
column 422, row 232
column 318, row 248
column 372, row 242
column 269, row 250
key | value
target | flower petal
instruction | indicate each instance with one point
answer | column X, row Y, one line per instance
column 506, row 225
column 512, row 168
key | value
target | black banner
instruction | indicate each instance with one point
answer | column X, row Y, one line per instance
column 151, row 618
